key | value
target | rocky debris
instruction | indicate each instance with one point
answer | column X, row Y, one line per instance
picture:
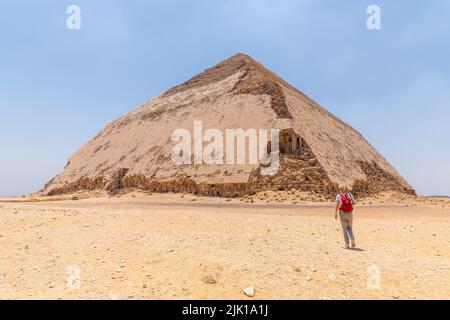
column 116, row 182
column 211, row 278
column 378, row 180
column 82, row 184
column 186, row 185
column 296, row 171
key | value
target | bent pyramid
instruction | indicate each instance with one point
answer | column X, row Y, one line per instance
column 318, row 151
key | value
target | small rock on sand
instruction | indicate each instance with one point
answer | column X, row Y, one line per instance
column 211, row 278
column 249, row 292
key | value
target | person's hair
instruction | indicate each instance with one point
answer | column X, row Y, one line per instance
column 343, row 188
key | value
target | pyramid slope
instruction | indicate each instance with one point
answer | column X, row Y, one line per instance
column 134, row 151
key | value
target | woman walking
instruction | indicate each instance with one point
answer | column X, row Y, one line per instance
column 344, row 205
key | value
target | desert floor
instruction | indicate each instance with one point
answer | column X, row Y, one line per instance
column 183, row 247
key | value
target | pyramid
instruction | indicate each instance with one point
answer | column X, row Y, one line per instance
column 318, row 152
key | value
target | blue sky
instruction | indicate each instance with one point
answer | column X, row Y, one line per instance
column 58, row 87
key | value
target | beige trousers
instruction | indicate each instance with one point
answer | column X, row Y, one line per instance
column 347, row 226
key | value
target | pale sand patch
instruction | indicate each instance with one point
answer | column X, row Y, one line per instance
column 171, row 247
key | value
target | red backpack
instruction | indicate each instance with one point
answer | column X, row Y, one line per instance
column 346, row 203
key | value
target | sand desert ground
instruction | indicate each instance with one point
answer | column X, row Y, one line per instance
column 173, row 246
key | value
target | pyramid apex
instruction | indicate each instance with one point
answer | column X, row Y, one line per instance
column 218, row 72
column 239, row 57
column 242, row 56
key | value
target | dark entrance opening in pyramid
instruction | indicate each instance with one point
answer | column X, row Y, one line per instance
column 290, row 142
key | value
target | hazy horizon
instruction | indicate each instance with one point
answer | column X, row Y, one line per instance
column 60, row 87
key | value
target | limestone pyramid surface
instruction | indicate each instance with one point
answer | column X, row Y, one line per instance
column 318, row 151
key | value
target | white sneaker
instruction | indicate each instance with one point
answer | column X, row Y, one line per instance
column 347, row 246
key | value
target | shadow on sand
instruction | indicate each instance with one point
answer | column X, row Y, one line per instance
column 356, row 249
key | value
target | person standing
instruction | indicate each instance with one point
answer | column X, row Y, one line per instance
column 344, row 205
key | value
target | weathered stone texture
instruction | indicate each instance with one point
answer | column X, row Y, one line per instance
column 319, row 152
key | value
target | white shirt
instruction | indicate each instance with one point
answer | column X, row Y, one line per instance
column 338, row 198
